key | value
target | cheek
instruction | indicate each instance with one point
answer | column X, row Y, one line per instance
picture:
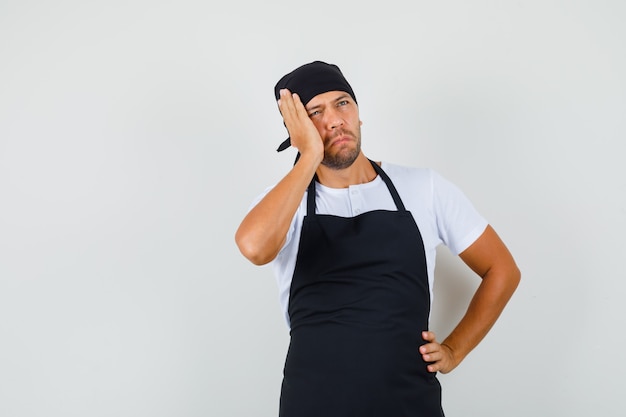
column 318, row 125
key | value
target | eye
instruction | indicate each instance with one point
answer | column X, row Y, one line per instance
column 342, row 103
column 314, row 113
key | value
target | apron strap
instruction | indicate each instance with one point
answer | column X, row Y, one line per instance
column 310, row 201
column 310, row 207
column 392, row 188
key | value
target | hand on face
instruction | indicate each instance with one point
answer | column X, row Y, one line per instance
column 304, row 135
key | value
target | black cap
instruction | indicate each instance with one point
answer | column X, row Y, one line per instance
column 312, row 79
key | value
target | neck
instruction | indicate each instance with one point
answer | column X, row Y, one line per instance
column 360, row 172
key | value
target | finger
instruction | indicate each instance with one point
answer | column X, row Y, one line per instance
column 433, row 367
column 429, row 336
column 285, row 103
column 435, row 361
column 432, row 356
column 432, row 364
column 299, row 106
column 430, row 348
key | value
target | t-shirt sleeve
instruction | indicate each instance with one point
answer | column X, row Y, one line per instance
column 458, row 222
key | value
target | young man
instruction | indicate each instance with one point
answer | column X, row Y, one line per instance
column 353, row 246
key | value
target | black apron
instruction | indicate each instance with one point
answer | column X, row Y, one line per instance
column 358, row 304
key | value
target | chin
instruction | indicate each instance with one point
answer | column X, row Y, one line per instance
column 341, row 160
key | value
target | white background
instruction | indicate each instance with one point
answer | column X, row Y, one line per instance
column 134, row 135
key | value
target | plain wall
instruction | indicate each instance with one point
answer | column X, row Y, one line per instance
column 135, row 134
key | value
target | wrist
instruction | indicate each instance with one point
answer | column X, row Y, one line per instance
column 312, row 156
column 452, row 354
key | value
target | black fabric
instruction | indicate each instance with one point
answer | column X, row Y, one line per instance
column 359, row 300
column 310, row 80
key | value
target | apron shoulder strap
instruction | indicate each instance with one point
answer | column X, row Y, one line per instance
column 392, row 188
column 310, row 207
column 310, row 204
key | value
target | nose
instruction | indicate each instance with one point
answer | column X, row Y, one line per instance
column 333, row 119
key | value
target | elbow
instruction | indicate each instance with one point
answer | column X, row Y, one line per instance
column 515, row 276
column 256, row 258
column 505, row 277
column 252, row 251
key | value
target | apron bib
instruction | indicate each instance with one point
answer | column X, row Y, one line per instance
column 358, row 303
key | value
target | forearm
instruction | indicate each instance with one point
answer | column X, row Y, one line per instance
column 264, row 229
column 494, row 292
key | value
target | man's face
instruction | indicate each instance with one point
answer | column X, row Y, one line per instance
column 336, row 116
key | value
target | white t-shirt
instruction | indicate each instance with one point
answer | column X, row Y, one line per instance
column 442, row 212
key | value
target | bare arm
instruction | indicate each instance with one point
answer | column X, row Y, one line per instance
column 491, row 260
column 263, row 231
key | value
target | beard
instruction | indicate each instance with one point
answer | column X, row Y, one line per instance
column 344, row 157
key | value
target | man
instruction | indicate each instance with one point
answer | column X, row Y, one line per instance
column 353, row 246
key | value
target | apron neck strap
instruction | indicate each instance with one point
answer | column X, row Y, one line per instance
column 392, row 190
column 390, row 186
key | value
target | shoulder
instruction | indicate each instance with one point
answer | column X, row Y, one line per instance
column 404, row 171
column 415, row 178
column 397, row 169
column 422, row 177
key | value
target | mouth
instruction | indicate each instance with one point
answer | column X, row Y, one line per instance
column 340, row 139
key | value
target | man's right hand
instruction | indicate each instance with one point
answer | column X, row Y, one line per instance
column 303, row 133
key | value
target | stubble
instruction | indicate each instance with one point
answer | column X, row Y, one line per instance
column 345, row 157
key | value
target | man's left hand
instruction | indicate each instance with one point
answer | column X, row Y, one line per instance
column 439, row 356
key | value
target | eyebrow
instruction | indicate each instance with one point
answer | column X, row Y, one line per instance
column 341, row 97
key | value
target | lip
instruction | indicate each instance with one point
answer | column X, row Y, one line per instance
column 340, row 139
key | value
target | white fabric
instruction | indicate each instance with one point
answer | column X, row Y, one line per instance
column 442, row 212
